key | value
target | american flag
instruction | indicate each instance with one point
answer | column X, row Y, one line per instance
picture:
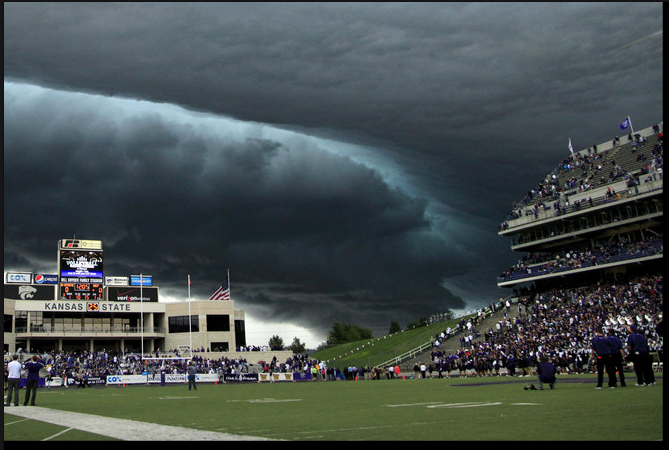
column 223, row 293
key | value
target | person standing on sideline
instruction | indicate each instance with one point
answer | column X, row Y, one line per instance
column 637, row 347
column 13, row 380
column 601, row 352
column 63, row 379
column 618, row 355
column 32, row 380
column 191, row 376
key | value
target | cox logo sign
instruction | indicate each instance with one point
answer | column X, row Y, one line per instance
column 114, row 379
column 24, row 278
column 46, row 279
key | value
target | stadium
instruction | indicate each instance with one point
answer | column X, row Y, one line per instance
column 590, row 244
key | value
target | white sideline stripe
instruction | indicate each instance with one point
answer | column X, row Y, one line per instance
column 124, row 429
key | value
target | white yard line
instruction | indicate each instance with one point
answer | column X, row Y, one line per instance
column 57, row 434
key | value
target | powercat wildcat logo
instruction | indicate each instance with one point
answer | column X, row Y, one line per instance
column 26, row 292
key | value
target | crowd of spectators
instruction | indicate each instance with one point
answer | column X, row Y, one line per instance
column 102, row 363
column 583, row 171
column 560, row 325
column 542, row 264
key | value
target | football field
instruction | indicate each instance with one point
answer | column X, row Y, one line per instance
column 485, row 409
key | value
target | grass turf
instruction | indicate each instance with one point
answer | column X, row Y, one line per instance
column 484, row 409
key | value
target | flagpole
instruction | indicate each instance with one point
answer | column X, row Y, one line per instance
column 190, row 335
column 141, row 314
column 229, row 287
column 631, row 127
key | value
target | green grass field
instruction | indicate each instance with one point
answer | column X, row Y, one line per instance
column 483, row 409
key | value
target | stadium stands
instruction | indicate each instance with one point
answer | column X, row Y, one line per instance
column 591, row 239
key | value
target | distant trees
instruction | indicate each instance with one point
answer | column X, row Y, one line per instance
column 276, row 343
column 422, row 322
column 297, row 346
column 342, row 333
column 394, row 328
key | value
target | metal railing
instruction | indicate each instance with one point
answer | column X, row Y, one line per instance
column 407, row 355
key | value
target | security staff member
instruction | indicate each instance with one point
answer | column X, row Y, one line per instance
column 637, row 346
column 618, row 355
column 601, row 352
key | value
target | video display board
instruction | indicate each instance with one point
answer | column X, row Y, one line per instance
column 81, row 274
column 81, row 264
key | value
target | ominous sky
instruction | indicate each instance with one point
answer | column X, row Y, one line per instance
column 346, row 162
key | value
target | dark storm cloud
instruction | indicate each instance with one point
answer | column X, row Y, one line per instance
column 465, row 105
column 182, row 194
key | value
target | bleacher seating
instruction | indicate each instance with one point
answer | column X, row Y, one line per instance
column 596, row 168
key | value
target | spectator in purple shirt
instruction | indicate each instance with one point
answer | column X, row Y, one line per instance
column 32, row 379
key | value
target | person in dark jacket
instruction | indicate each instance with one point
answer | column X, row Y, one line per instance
column 33, row 367
column 602, row 353
column 618, row 355
column 637, row 346
column 546, row 372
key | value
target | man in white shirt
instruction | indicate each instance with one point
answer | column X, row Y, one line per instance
column 13, row 380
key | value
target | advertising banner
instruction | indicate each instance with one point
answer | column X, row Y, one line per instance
column 156, row 378
column 281, row 376
column 132, row 294
column 23, row 278
column 116, row 281
column 233, row 377
column 41, row 278
column 81, row 243
column 141, row 280
column 30, row 291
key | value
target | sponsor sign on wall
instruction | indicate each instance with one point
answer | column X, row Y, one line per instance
column 41, row 278
column 132, row 294
column 141, row 280
column 205, row 378
column 81, row 243
column 116, row 281
column 30, row 291
column 15, row 277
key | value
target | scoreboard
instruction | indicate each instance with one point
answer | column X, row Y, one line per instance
column 80, row 269
column 81, row 291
